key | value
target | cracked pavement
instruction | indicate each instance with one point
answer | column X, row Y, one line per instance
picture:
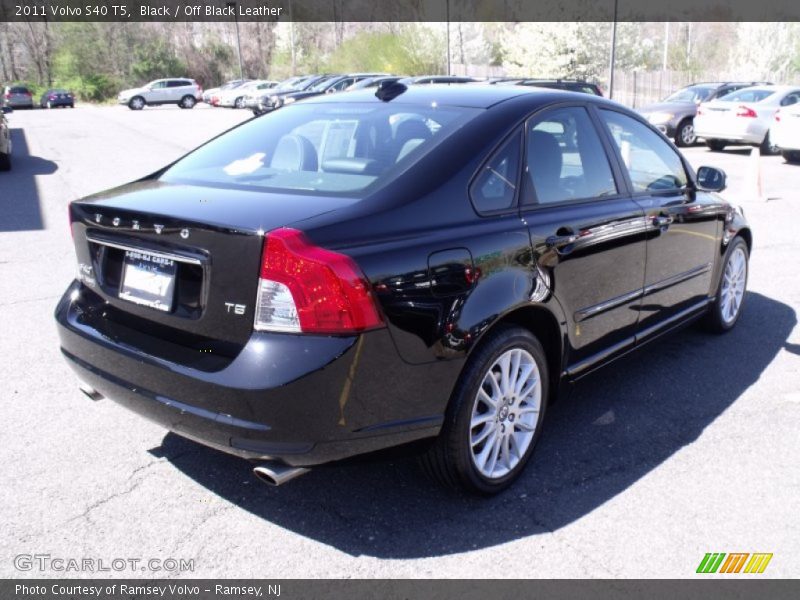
column 687, row 447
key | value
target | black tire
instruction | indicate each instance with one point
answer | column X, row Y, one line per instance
column 684, row 134
column 767, row 147
column 5, row 162
column 137, row 103
column 188, row 102
column 449, row 460
column 714, row 320
column 715, row 145
column 791, row 156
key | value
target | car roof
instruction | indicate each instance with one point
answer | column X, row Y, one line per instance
column 451, row 95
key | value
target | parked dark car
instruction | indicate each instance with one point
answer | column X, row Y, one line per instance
column 5, row 139
column 364, row 270
column 374, row 82
column 57, row 97
column 331, row 85
column 274, row 98
column 17, row 96
column 569, row 85
column 674, row 116
column 429, row 79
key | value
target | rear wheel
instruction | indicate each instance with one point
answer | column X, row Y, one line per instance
column 5, row 162
column 715, row 145
column 768, row 147
column 791, row 156
column 495, row 415
column 684, row 135
column 187, row 102
column 136, row 103
column 726, row 308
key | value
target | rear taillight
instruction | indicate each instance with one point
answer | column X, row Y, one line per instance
column 51, row 97
column 305, row 288
column 700, row 111
column 778, row 115
column 746, row 111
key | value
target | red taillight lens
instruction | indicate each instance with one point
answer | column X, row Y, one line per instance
column 745, row 111
column 778, row 115
column 305, row 288
column 51, row 97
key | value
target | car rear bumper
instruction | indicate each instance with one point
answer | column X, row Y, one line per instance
column 742, row 132
column 303, row 400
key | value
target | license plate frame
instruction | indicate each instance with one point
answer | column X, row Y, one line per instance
column 148, row 280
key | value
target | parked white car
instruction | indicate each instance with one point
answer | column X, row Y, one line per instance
column 237, row 97
column 785, row 132
column 744, row 117
column 181, row 91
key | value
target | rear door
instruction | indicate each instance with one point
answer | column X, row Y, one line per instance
column 177, row 89
column 587, row 235
column 683, row 227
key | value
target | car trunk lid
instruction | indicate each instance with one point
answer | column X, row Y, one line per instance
column 182, row 259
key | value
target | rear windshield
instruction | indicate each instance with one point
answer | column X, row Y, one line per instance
column 18, row 90
column 330, row 149
column 748, row 95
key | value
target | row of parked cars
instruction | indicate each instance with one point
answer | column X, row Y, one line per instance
column 261, row 96
column 20, row 96
column 732, row 113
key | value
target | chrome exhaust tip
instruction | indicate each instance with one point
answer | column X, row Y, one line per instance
column 275, row 474
column 90, row 392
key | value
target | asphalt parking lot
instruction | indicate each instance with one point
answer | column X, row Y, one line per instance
column 690, row 446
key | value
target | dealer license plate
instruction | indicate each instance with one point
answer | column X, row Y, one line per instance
column 148, row 279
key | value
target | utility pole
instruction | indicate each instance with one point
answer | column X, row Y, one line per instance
column 238, row 39
column 666, row 45
column 613, row 53
column 448, row 38
column 291, row 39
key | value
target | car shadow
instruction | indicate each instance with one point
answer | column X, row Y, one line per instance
column 19, row 201
column 618, row 425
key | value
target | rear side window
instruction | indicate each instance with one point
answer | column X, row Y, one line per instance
column 651, row 162
column 330, row 149
column 495, row 187
column 792, row 98
column 565, row 159
column 177, row 83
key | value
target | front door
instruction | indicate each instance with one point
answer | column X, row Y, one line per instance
column 683, row 226
column 588, row 236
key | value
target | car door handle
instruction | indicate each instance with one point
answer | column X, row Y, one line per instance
column 662, row 221
column 561, row 243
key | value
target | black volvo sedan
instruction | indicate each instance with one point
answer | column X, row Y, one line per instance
column 426, row 264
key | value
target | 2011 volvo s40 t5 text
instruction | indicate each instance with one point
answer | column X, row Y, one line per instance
column 424, row 264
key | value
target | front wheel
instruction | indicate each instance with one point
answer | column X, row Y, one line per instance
column 495, row 415
column 685, row 135
column 136, row 103
column 727, row 306
column 239, row 103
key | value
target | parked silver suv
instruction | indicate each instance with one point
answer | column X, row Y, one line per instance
column 181, row 91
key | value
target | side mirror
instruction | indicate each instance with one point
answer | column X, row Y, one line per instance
column 711, row 179
column 7, row 110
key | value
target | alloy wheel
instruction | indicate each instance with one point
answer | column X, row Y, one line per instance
column 505, row 413
column 688, row 138
column 733, row 284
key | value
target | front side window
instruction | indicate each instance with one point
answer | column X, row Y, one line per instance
column 330, row 149
column 651, row 162
column 158, row 85
column 495, row 187
column 565, row 159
